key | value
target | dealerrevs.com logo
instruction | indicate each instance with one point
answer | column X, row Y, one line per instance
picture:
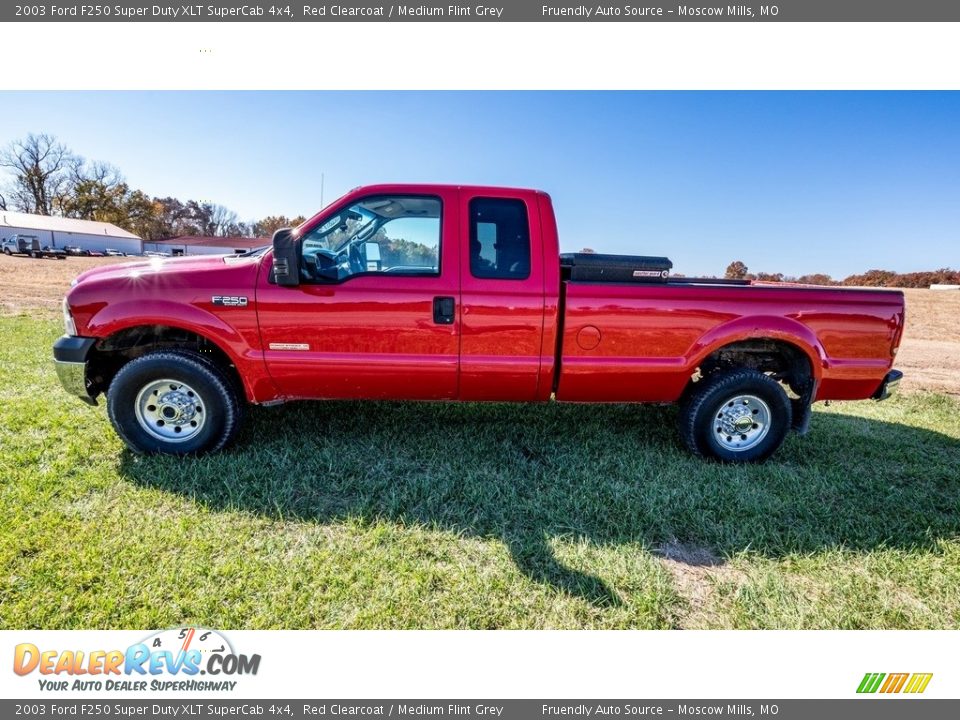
column 179, row 659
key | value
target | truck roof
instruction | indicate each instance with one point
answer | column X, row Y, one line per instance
column 433, row 187
column 420, row 189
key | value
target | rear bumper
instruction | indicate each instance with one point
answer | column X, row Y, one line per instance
column 889, row 385
column 70, row 360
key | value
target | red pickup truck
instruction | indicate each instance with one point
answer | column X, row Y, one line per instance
column 438, row 292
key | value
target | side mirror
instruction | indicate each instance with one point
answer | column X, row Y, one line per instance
column 286, row 258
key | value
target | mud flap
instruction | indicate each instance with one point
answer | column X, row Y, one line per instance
column 802, row 409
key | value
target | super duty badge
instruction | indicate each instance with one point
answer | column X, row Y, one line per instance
column 230, row 300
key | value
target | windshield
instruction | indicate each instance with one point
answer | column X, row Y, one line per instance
column 345, row 227
column 378, row 234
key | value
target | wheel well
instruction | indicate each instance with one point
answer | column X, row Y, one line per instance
column 113, row 352
column 781, row 360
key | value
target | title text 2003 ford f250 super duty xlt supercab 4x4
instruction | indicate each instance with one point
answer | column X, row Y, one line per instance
column 433, row 292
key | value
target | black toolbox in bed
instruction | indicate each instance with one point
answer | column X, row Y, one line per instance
column 596, row 267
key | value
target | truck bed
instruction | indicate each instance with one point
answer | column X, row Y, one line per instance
column 643, row 341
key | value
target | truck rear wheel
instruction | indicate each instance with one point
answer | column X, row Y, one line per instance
column 173, row 402
column 735, row 416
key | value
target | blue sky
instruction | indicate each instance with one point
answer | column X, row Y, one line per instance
column 792, row 182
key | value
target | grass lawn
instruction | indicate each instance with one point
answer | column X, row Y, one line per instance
column 394, row 515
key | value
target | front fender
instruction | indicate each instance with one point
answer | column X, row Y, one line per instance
column 117, row 316
column 241, row 345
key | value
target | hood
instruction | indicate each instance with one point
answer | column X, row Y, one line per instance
column 139, row 288
column 155, row 265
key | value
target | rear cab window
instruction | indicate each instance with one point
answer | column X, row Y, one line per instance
column 499, row 239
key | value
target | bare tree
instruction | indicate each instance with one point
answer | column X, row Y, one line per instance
column 222, row 222
column 96, row 171
column 41, row 167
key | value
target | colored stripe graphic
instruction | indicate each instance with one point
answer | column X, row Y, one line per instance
column 894, row 683
column 918, row 682
column 870, row 682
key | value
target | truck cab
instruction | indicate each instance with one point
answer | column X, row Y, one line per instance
column 416, row 293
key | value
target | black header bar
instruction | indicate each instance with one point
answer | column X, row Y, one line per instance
column 489, row 11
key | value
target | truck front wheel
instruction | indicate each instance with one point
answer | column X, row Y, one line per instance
column 173, row 402
column 735, row 416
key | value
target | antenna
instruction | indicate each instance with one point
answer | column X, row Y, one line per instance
column 321, row 191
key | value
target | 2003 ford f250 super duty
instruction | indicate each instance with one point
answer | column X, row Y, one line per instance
column 436, row 292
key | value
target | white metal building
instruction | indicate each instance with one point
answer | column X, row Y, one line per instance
column 204, row 245
column 59, row 231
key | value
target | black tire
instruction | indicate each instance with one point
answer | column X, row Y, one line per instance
column 715, row 407
column 214, row 398
column 6, row 251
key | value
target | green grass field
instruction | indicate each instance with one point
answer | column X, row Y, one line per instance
column 393, row 515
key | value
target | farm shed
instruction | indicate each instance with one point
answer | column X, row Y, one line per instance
column 200, row 245
column 59, row 232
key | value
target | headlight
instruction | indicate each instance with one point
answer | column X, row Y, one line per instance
column 70, row 327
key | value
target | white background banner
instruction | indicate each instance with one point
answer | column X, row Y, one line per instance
column 516, row 664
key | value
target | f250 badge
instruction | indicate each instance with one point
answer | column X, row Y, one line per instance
column 230, row 300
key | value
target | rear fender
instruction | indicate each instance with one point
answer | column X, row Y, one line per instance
column 761, row 327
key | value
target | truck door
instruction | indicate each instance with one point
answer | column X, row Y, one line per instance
column 502, row 295
column 375, row 314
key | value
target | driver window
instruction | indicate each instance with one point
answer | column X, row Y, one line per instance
column 396, row 235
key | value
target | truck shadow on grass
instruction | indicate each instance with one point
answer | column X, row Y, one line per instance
column 602, row 474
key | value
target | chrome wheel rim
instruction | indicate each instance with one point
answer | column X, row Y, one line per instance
column 170, row 410
column 741, row 422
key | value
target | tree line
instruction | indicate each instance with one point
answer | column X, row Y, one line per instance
column 48, row 178
column 737, row 270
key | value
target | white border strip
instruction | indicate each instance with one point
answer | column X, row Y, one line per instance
column 482, row 56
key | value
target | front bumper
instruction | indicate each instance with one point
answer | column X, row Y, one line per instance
column 889, row 385
column 70, row 360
